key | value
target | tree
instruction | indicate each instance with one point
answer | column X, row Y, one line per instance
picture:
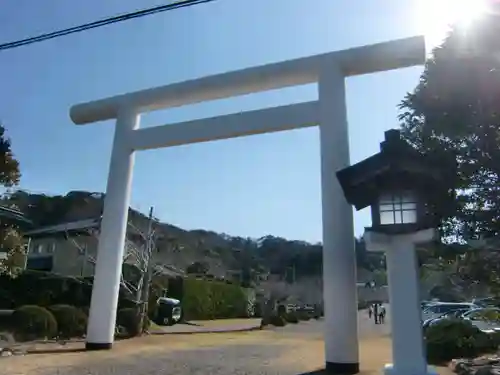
column 454, row 113
column 9, row 166
column 10, row 240
column 11, row 243
column 200, row 268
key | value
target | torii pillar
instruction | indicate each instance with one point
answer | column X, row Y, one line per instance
column 329, row 70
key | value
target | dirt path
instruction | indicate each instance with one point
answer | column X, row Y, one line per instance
column 250, row 353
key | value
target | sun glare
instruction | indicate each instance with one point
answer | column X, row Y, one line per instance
column 436, row 16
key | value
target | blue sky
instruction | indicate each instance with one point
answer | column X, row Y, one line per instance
column 252, row 186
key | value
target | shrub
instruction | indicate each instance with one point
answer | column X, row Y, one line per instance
column 265, row 322
column 206, row 299
column 277, row 321
column 129, row 319
column 291, row 317
column 71, row 322
column 85, row 310
column 453, row 338
column 303, row 315
column 281, row 310
column 33, row 322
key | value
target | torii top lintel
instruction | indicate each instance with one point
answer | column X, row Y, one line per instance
column 373, row 58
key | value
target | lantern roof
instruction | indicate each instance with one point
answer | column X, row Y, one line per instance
column 398, row 166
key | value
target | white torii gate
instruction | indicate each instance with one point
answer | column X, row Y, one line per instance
column 329, row 112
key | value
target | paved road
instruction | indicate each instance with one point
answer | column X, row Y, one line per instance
column 315, row 329
column 292, row 350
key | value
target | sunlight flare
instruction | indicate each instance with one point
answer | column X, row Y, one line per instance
column 436, row 16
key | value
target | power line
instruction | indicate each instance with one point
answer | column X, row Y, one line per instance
column 103, row 22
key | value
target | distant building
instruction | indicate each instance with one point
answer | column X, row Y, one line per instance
column 70, row 249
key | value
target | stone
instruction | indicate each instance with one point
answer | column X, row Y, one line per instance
column 6, row 353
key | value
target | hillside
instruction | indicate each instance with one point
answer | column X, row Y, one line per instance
column 223, row 254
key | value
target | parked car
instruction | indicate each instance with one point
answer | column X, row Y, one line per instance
column 426, row 304
column 439, row 308
column 449, row 315
column 487, row 319
column 487, row 302
column 169, row 311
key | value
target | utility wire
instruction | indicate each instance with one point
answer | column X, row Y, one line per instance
column 103, row 22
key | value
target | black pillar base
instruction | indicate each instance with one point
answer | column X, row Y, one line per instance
column 98, row 346
column 336, row 368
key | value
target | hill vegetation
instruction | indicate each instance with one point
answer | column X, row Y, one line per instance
column 198, row 251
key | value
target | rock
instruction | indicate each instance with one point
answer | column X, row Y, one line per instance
column 6, row 340
column 6, row 353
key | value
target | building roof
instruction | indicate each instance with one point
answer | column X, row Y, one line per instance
column 81, row 227
column 14, row 216
column 72, row 228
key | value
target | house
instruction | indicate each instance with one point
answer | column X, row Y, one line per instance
column 70, row 249
column 65, row 249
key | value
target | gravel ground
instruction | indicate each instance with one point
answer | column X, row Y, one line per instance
column 236, row 359
column 292, row 350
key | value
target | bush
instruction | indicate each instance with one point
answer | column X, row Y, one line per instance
column 129, row 319
column 85, row 310
column 281, row 310
column 71, row 322
column 33, row 322
column 264, row 322
column 291, row 317
column 303, row 315
column 453, row 338
column 206, row 299
column 277, row 321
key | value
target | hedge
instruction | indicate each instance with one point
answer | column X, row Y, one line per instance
column 210, row 299
column 129, row 318
column 201, row 299
column 275, row 320
column 291, row 317
column 71, row 321
column 46, row 289
column 33, row 322
column 454, row 338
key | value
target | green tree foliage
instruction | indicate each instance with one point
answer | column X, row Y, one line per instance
column 454, row 113
column 200, row 268
column 9, row 166
column 10, row 240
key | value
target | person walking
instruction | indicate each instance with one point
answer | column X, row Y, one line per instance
column 370, row 312
column 375, row 313
column 381, row 317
